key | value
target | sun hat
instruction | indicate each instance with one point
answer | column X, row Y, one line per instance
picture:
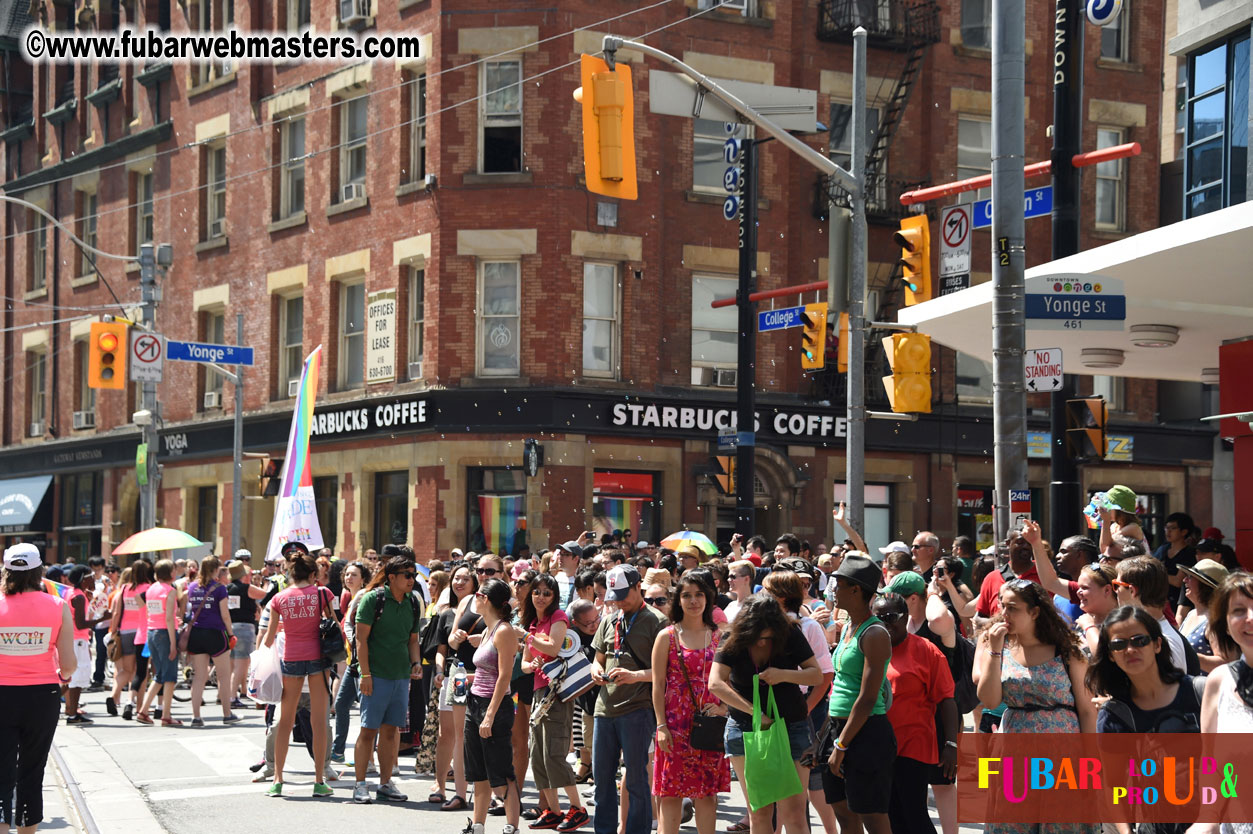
column 1123, row 498
column 236, row 568
column 1207, row 570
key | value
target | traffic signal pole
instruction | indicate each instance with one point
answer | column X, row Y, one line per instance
column 148, row 317
column 855, row 442
column 745, row 377
column 1065, row 503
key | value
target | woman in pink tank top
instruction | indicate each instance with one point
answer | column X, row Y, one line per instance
column 36, row 637
column 81, row 580
column 162, row 644
column 128, row 616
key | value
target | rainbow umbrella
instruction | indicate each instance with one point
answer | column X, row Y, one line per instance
column 676, row 540
column 156, row 539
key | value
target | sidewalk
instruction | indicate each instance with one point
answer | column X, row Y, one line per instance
column 91, row 792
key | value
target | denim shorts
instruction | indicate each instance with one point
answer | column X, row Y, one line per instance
column 164, row 670
column 799, row 733
column 245, row 640
column 303, row 668
column 387, row 704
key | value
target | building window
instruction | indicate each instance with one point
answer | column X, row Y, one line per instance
column 1112, row 389
column 624, row 501
column 974, row 517
column 1115, row 38
column 80, row 515
column 500, row 142
column 977, row 23
column 501, row 294
column 215, row 192
column 496, row 510
column 145, row 220
column 391, row 508
column 86, row 394
column 1111, row 183
column 974, row 380
column 714, row 331
column 38, row 278
column 974, row 151
column 415, row 92
column 1215, row 172
column 326, row 503
column 353, row 121
column 36, row 393
column 840, row 148
column 708, row 163
column 601, row 290
column 291, row 329
column 298, row 16
column 88, row 204
column 214, row 333
column 213, row 16
column 417, row 320
column 207, row 513
column 292, row 171
column 877, row 513
column 351, row 336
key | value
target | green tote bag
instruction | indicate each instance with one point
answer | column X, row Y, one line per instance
column 769, row 772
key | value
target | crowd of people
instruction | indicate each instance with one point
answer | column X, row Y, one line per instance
column 656, row 675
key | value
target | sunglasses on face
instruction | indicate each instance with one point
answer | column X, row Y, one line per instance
column 486, row 571
column 657, row 601
column 541, row 593
column 1139, row 642
column 1118, row 583
column 406, row 575
column 890, row 616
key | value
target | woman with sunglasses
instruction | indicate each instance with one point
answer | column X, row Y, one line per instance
column 489, row 711
column 546, row 626
column 1147, row 694
column 523, row 686
column 658, row 597
column 452, row 620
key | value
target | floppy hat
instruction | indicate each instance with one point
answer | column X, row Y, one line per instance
column 1121, row 498
column 1207, row 570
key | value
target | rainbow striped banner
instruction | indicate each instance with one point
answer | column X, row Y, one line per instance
column 500, row 515
column 622, row 513
column 296, row 514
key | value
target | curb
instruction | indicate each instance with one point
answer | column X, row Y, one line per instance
column 106, row 800
column 71, row 785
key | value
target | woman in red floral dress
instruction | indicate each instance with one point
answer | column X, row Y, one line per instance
column 686, row 651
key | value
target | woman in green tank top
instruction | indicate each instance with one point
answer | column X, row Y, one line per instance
column 860, row 746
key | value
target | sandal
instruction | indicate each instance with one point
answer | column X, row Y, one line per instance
column 143, row 717
column 583, row 776
column 172, row 722
column 457, row 803
column 738, row 826
column 436, row 799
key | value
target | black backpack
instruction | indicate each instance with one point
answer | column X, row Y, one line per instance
column 962, row 665
column 380, row 597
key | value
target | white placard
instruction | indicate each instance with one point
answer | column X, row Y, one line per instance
column 955, row 225
column 380, row 334
column 1042, row 369
column 147, row 356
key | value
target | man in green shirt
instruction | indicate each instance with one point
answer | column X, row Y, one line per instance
column 388, row 657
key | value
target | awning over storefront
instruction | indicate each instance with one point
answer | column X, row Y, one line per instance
column 1193, row 275
column 26, row 504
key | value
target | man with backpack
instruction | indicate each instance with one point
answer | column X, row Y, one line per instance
column 388, row 657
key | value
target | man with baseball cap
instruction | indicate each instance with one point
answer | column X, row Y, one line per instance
column 568, row 556
column 624, row 709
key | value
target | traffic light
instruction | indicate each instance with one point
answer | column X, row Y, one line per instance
column 608, row 128
column 814, row 336
column 725, row 476
column 271, row 472
column 106, row 355
column 909, row 386
column 914, row 238
column 841, row 348
column 1085, row 428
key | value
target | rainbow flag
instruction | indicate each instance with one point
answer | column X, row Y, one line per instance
column 63, row 591
column 296, row 514
column 501, row 515
column 622, row 513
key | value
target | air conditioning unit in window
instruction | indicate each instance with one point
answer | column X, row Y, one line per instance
column 353, row 191
column 217, row 228
column 84, row 419
column 212, row 399
column 36, row 429
column 415, row 370
column 353, row 11
column 293, row 387
column 725, row 377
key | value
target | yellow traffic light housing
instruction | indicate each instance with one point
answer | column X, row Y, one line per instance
column 725, row 476
column 1085, row 428
column 607, row 99
column 909, row 386
column 106, row 355
column 914, row 238
column 841, row 349
column 814, row 336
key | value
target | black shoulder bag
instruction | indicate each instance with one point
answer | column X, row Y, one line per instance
column 707, row 730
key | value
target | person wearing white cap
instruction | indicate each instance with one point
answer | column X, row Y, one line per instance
column 35, row 633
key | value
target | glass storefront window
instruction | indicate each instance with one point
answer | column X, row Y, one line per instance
column 877, row 506
column 391, row 508
column 626, row 501
column 80, row 516
column 326, row 501
column 206, row 513
column 496, row 510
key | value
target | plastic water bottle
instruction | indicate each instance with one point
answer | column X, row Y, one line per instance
column 459, row 681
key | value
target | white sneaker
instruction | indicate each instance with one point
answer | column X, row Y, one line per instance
column 361, row 794
column 389, row 791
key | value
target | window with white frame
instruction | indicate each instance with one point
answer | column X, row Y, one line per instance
column 876, row 512
column 973, row 380
column 840, row 148
column 500, row 294
column 1112, row 388
column 1115, row 40
column 298, row 15
column 601, row 291
column 974, row 151
column 145, row 220
column 353, row 120
column 708, row 163
column 415, row 89
column 500, row 128
column 88, row 207
column 215, row 192
column 291, row 330
column 292, row 170
column 214, row 333
column 748, row 8
column 976, row 23
column 37, row 392
column 351, row 371
column 213, row 16
column 417, row 319
column 714, row 330
column 86, row 394
column 1111, row 183
column 38, row 278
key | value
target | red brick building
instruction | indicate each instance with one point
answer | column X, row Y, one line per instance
column 425, row 221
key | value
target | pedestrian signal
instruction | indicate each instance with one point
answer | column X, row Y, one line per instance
column 909, row 386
